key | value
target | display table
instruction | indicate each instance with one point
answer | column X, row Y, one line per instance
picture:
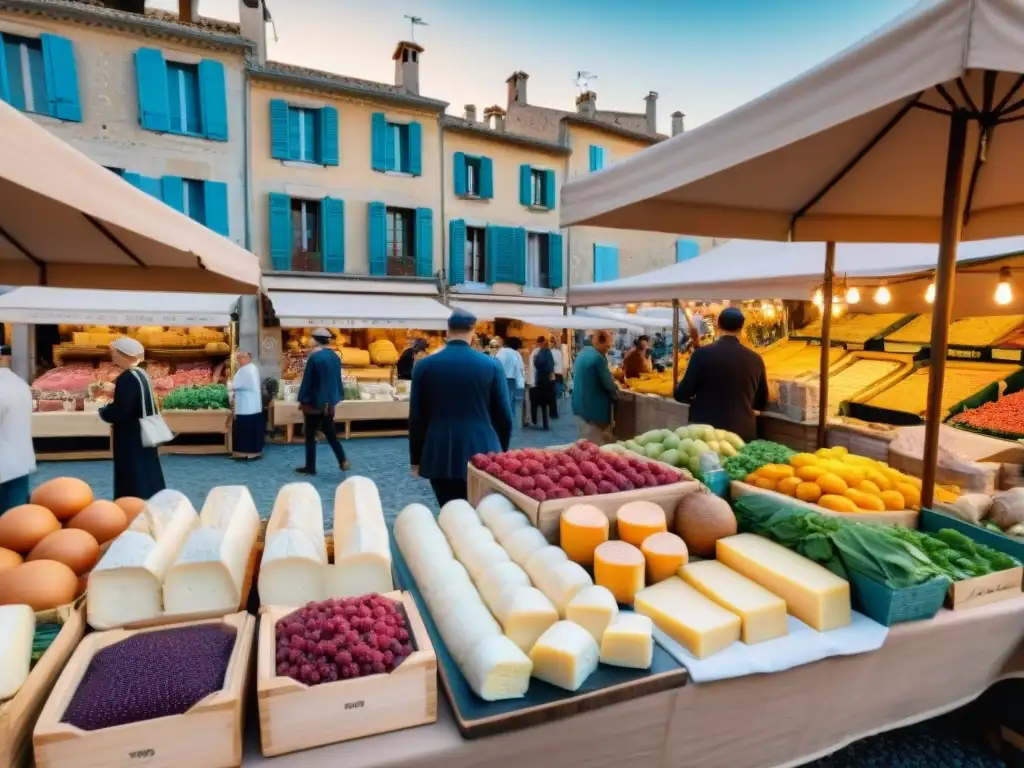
column 186, row 424
column 924, row 669
column 288, row 415
column 654, row 412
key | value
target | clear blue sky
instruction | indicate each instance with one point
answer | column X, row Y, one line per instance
column 703, row 57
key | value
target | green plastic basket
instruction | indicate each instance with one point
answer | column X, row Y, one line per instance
column 892, row 606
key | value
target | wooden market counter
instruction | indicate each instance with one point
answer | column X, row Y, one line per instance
column 288, row 415
column 924, row 669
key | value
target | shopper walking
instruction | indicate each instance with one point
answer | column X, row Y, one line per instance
column 558, row 389
column 17, row 457
column 458, row 407
column 515, row 374
column 319, row 394
column 542, row 394
column 248, row 429
column 593, row 390
column 408, row 359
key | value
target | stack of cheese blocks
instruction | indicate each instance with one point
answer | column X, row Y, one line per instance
column 172, row 561
column 295, row 569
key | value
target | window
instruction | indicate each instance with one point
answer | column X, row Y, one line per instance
column 183, row 98
column 26, row 74
column 399, row 239
column 537, row 260
column 194, row 200
column 473, row 176
column 476, row 254
column 302, row 134
column 306, row 235
column 398, row 143
column 537, row 178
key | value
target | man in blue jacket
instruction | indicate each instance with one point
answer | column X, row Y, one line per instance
column 594, row 391
column 319, row 393
column 458, row 407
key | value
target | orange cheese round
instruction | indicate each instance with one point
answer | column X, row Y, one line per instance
column 665, row 553
column 640, row 519
column 582, row 528
column 619, row 568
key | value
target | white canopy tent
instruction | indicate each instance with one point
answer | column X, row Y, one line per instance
column 301, row 309
column 574, row 322
column 487, row 311
column 639, row 321
column 43, row 306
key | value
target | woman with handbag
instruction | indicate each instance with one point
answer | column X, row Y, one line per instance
column 138, row 429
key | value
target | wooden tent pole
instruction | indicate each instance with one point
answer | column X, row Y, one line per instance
column 826, row 340
column 675, row 344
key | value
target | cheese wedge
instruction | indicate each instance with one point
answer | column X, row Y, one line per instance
column 637, row 520
column 619, row 567
column 458, row 515
column 593, row 608
column 664, row 553
column 506, row 524
column 499, row 578
column 298, row 506
column 497, row 669
column 542, row 559
column 362, row 547
column 209, row 573
column 291, row 571
column 582, row 527
column 524, row 543
column 762, row 613
column 565, row 656
column 629, row 642
column 812, row 593
column 481, row 557
column 698, row 624
column 561, row 582
column 492, row 506
column 17, row 630
column 525, row 614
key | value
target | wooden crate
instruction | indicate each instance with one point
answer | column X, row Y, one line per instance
column 209, row 422
column 207, row 736
column 294, row 716
column 908, row 518
column 799, row 437
column 982, row 590
column 288, row 415
column 861, row 440
column 18, row 715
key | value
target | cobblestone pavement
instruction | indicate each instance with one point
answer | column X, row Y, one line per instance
column 386, row 460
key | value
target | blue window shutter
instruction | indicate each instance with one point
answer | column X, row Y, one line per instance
column 415, row 149
column 525, row 172
column 611, row 267
column 456, row 251
column 378, row 239
column 378, row 141
column 424, row 242
column 328, row 136
column 596, row 158
column 133, row 178
column 486, row 178
column 61, row 77
column 151, row 187
column 332, row 235
column 555, row 278
column 173, row 192
column 279, row 144
column 550, row 192
column 213, row 99
column 295, row 120
column 459, row 173
column 5, row 83
column 686, row 249
column 519, row 255
column 280, row 232
column 491, row 255
column 151, row 74
column 215, row 198
column 505, row 255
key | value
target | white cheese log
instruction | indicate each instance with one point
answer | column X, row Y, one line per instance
column 421, row 519
column 298, row 506
column 458, row 515
column 17, row 629
column 497, row 669
column 524, row 543
column 504, row 525
column 539, row 562
column 525, row 614
column 490, row 507
column 159, row 513
column 498, row 578
column 291, row 572
column 210, row 570
column 362, row 547
column 561, row 582
column 468, row 539
column 479, row 558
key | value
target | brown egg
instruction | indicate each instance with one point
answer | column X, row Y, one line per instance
column 103, row 519
column 43, row 584
column 9, row 558
column 77, row 549
column 21, row 528
column 131, row 505
column 64, row 496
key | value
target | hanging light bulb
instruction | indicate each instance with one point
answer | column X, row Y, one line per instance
column 769, row 312
column 819, row 298
column 836, row 309
column 852, row 295
column 1004, row 291
column 929, row 295
column 882, row 295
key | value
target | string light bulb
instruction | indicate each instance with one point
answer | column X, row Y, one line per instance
column 836, row 309
column 1004, row 291
column 883, row 295
column 768, row 310
column 929, row 295
column 819, row 298
column 853, row 295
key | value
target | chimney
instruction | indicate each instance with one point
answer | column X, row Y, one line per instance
column 188, row 11
column 407, row 66
column 517, row 88
column 498, row 114
column 252, row 18
column 651, row 100
column 586, row 104
column 677, row 123
column 471, row 112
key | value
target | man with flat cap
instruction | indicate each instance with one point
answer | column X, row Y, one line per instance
column 319, row 394
column 725, row 383
column 458, row 407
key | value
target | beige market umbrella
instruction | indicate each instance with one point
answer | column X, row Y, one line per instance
column 914, row 134
column 66, row 221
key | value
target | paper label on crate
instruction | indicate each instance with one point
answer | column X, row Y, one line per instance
column 964, row 354
column 902, row 349
column 1009, row 355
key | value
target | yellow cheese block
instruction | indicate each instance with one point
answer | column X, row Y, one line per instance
column 565, row 656
column 593, row 608
column 812, row 593
column 762, row 613
column 582, row 528
column 698, row 624
column 664, row 553
column 639, row 519
column 619, row 566
column 628, row 642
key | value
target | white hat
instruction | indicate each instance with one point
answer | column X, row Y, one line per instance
column 128, row 347
column 321, row 333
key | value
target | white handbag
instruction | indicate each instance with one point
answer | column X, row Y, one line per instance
column 153, row 428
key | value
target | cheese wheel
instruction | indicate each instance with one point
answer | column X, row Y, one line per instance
column 619, row 566
column 639, row 519
column 665, row 553
column 582, row 528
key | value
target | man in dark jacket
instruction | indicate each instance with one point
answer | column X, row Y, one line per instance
column 725, row 383
column 458, row 407
column 407, row 359
column 542, row 395
column 319, row 394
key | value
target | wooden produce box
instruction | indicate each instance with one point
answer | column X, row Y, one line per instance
column 294, row 716
column 545, row 515
column 653, row 412
column 625, row 415
column 207, row 736
column 18, row 715
column 798, row 436
column 982, row 590
column 213, row 422
column 860, row 440
column 907, row 518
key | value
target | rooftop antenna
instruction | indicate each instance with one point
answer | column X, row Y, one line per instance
column 415, row 21
column 583, row 79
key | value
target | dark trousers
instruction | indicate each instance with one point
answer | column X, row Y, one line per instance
column 448, row 489
column 13, row 493
column 321, row 422
column 542, row 396
column 558, row 386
